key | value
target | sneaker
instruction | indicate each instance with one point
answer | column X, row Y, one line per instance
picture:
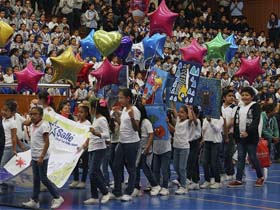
column 188, row 181
column 74, row 184
column 212, row 180
column 31, row 204
column 259, row 182
column 126, row 198
column 43, row 188
column 205, row 185
column 81, row 185
column 91, row 201
column 155, row 190
column 194, row 186
column 56, row 203
column 113, row 197
column 223, row 177
column 147, row 189
column 176, row 182
column 105, row 198
column 235, row 184
column 216, row 185
column 164, row 191
column 229, row 177
column 181, row 191
column 136, row 192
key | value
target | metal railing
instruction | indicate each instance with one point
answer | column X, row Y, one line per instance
column 41, row 85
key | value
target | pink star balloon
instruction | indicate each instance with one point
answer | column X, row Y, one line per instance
column 250, row 69
column 28, row 78
column 107, row 74
column 193, row 52
column 162, row 20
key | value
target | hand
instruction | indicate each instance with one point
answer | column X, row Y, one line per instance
column 79, row 149
column 146, row 150
column 208, row 119
column 92, row 130
column 243, row 134
column 275, row 140
column 40, row 160
column 15, row 152
column 131, row 113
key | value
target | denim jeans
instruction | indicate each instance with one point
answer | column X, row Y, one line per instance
column 113, row 147
column 84, row 159
column 210, row 161
column 96, row 177
column 145, row 166
column 161, row 165
column 192, row 164
column 251, row 149
column 40, row 175
column 180, row 159
column 125, row 153
column 105, row 166
column 7, row 155
column 229, row 149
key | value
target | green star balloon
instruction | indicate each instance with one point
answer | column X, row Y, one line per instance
column 217, row 48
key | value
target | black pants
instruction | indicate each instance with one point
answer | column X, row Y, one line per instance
column 84, row 159
column 193, row 165
column 210, row 161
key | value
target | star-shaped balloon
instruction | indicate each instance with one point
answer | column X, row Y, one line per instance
column 107, row 74
column 66, row 67
column 162, row 20
column 232, row 48
column 88, row 47
column 193, row 52
column 154, row 45
column 6, row 31
column 217, row 48
column 28, row 78
column 250, row 69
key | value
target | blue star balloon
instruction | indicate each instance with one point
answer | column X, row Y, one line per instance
column 154, row 45
column 232, row 48
column 88, row 47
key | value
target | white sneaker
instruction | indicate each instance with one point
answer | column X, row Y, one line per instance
column 81, row 185
column 194, row 186
column 147, row 189
column 212, row 180
column 126, row 198
column 188, row 181
column 73, row 184
column 31, row 204
column 155, row 190
column 105, row 198
column 113, row 197
column 205, row 185
column 181, row 191
column 265, row 173
column 91, row 201
column 229, row 178
column 216, row 185
column 223, row 177
column 56, row 203
column 136, row 193
column 164, row 191
column 176, row 182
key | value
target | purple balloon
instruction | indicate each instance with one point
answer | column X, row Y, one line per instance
column 124, row 48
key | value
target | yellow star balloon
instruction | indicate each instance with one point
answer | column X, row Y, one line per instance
column 66, row 67
column 6, row 31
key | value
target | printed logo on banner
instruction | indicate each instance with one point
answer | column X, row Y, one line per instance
column 60, row 134
column 194, row 75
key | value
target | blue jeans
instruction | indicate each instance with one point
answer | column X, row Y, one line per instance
column 125, row 153
column 180, row 159
column 84, row 159
column 145, row 166
column 40, row 175
column 96, row 177
column 161, row 164
column 210, row 161
column 105, row 166
column 7, row 155
column 251, row 149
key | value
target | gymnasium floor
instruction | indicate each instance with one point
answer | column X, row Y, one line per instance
column 247, row 197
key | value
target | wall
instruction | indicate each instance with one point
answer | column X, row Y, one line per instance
column 258, row 11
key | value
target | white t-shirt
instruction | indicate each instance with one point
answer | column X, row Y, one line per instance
column 96, row 143
column 127, row 133
column 228, row 114
column 8, row 79
column 213, row 130
column 19, row 120
column 146, row 129
column 8, row 125
column 161, row 146
column 181, row 135
column 194, row 130
column 37, row 140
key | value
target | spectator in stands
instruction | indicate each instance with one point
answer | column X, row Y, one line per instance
column 273, row 26
column 14, row 56
column 92, row 17
column 37, row 60
column 9, row 76
column 67, row 7
column 236, row 8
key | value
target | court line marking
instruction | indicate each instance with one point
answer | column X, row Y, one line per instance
column 245, row 198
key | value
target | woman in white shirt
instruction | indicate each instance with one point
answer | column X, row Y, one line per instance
column 96, row 145
column 128, row 147
column 212, row 137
